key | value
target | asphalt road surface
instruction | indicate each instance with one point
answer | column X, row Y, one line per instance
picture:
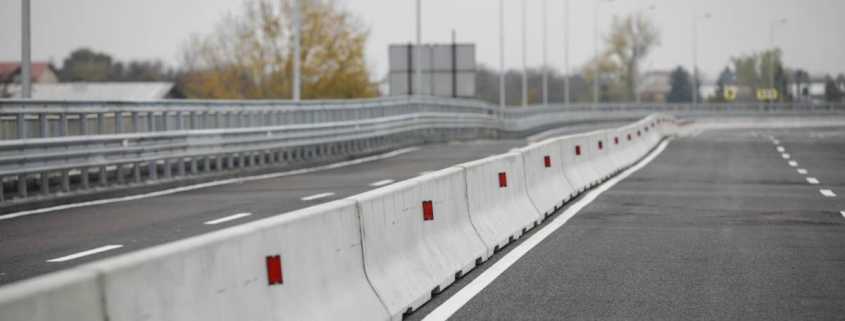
column 720, row 226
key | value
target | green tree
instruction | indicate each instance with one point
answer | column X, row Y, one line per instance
column 832, row 92
column 249, row 55
column 631, row 40
column 680, row 82
column 86, row 65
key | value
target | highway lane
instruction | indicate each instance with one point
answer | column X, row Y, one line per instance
column 718, row 227
column 27, row 243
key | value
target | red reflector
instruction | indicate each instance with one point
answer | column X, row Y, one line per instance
column 428, row 211
column 503, row 179
column 274, row 270
column 577, row 150
column 616, row 140
column 547, row 161
column 601, row 145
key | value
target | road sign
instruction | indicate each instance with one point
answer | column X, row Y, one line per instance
column 730, row 93
column 767, row 94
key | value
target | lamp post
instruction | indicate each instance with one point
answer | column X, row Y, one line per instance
column 596, row 48
column 502, row 96
column 772, row 26
column 524, row 59
column 297, row 39
column 26, row 54
column 545, row 55
column 566, row 89
column 418, row 52
column 695, row 20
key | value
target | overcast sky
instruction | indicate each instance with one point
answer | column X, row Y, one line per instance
column 156, row 29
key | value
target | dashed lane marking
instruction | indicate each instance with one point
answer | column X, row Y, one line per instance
column 317, row 196
column 382, row 182
column 843, row 213
column 781, row 149
column 812, row 180
column 85, row 253
column 793, row 163
column 786, row 156
column 802, row 171
column 827, row 193
column 227, row 218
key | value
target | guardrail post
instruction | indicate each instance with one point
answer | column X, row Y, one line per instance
column 180, row 166
column 207, row 164
column 179, row 121
column 120, row 172
column 152, row 169
column 100, row 120
column 192, row 120
column 165, row 123
column 168, row 169
column 219, row 162
column 230, row 161
column 63, row 125
column 84, row 178
column 2, row 197
column 83, row 124
column 151, row 121
column 194, row 166
column 136, row 172
column 45, row 128
column 136, row 122
column 66, row 180
column 118, row 122
column 45, row 183
column 22, row 186
column 21, row 124
column 104, row 176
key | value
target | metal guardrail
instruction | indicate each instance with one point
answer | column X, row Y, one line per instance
column 85, row 148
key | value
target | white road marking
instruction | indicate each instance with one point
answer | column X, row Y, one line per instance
column 454, row 303
column 424, row 173
column 843, row 213
column 802, row 171
column 793, row 163
column 786, row 156
column 812, row 180
column 85, row 253
column 382, row 182
column 227, row 218
column 827, row 193
column 211, row 184
column 317, row 196
column 781, row 149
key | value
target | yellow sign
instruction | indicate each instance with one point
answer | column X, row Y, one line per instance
column 730, row 93
column 767, row 94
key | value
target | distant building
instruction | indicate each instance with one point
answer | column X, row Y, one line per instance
column 10, row 74
column 101, row 91
column 448, row 70
column 654, row 86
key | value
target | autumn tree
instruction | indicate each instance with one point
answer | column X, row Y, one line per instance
column 631, row 40
column 250, row 55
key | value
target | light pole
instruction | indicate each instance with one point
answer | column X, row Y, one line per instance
column 635, row 72
column 26, row 55
column 502, row 96
column 596, row 49
column 694, row 89
column 418, row 52
column 297, row 39
column 545, row 56
column 524, row 59
column 566, row 98
column 772, row 26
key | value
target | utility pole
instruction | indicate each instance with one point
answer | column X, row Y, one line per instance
column 566, row 15
column 297, row 63
column 418, row 53
column 545, row 55
column 524, row 59
column 502, row 96
column 26, row 54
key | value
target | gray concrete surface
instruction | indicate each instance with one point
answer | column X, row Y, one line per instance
column 718, row 227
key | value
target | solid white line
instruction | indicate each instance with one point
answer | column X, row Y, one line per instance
column 793, row 163
column 382, row 182
column 227, row 218
column 211, row 184
column 317, row 196
column 785, row 156
column 781, row 149
column 454, row 303
column 827, row 193
column 812, row 180
column 802, row 171
column 843, row 213
column 85, row 253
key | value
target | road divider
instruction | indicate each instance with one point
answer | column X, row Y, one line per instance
column 373, row 256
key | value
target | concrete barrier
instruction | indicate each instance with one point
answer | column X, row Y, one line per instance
column 600, row 155
column 579, row 167
column 545, row 182
column 304, row 265
column 67, row 295
column 498, row 203
column 417, row 238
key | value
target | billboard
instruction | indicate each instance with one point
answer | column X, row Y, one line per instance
column 448, row 70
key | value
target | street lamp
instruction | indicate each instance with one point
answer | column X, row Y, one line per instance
column 545, row 56
column 596, row 48
column 566, row 53
column 772, row 26
column 501, row 58
column 418, row 52
column 695, row 20
column 524, row 59
column 26, row 54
